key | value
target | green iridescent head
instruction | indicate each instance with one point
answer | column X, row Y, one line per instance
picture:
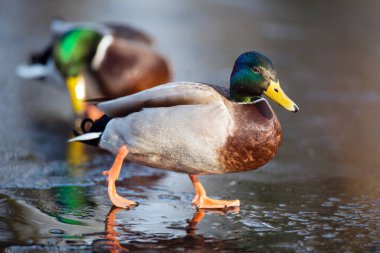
column 254, row 75
column 74, row 50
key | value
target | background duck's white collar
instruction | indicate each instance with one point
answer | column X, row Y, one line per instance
column 101, row 51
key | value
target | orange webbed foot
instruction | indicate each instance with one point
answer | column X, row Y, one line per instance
column 204, row 202
column 113, row 175
column 118, row 200
column 201, row 201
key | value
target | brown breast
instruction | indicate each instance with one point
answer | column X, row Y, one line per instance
column 255, row 140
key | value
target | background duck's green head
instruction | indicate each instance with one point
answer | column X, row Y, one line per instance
column 254, row 75
column 75, row 49
column 72, row 53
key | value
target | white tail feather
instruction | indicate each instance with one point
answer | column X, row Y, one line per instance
column 32, row 71
column 86, row 137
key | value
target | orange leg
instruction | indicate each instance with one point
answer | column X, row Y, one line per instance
column 93, row 112
column 113, row 175
column 201, row 201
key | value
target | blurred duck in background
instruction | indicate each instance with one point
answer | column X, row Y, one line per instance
column 97, row 60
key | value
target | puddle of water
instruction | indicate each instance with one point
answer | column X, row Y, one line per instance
column 316, row 215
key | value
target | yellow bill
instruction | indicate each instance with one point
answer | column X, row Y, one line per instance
column 275, row 93
column 76, row 87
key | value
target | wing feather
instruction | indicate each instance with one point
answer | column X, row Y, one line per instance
column 166, row 95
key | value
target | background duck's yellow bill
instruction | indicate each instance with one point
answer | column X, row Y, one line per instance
column 275, row 93
column 76, row 87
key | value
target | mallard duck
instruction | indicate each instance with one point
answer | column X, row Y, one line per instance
column 195, row 128
column 99, row 61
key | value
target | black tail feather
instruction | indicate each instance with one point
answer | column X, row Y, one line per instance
column 89, row 126
column 41, row 57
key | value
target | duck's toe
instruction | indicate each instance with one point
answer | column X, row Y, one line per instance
column 121, row 202
column 205, row 202
column 195, row 199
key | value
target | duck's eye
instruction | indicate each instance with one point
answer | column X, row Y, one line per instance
column 276, row 90
column 256, row 69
